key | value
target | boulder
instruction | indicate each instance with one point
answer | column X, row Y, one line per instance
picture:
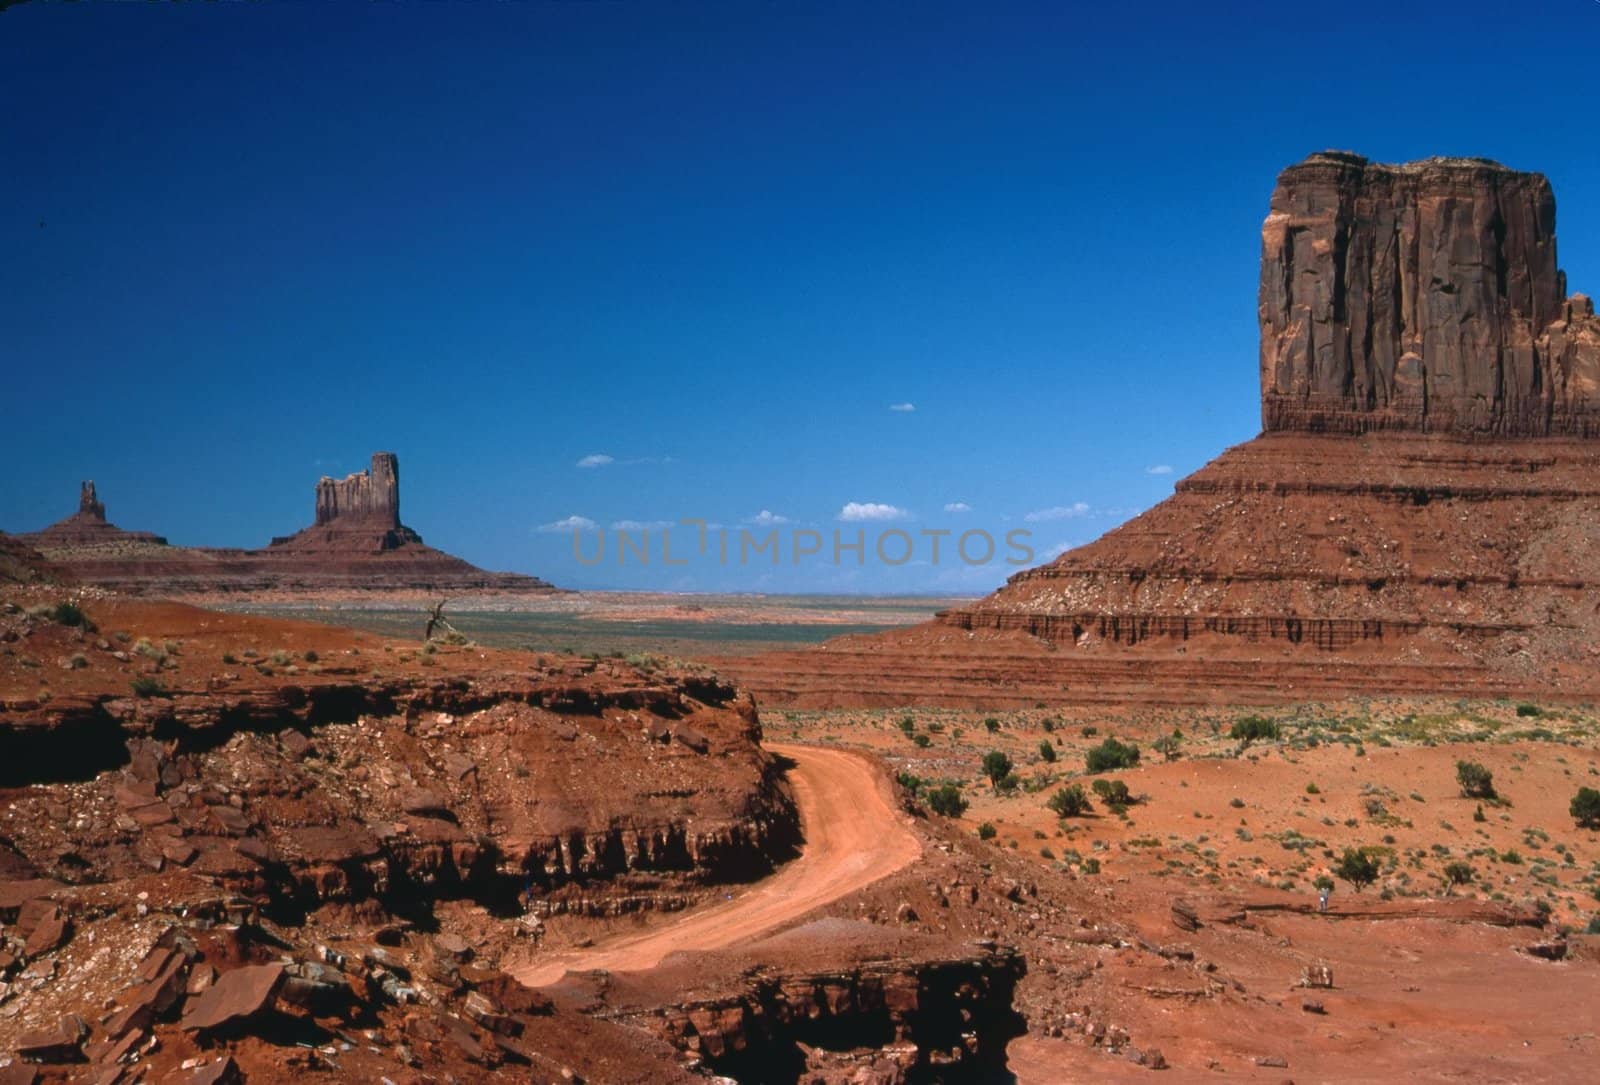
column 235, row 996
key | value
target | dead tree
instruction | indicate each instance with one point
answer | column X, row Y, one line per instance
column 437, row 620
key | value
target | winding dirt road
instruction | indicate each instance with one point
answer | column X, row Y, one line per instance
column 854, row 835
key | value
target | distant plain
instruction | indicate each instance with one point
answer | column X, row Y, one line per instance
column 625, row 623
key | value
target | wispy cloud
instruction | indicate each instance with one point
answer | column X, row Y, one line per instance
column 601, row 459
column 641, row 525
column 1159, row 469
column 767, row 518
column 958, row 506
column 571, row 523
column 858, row 511
column 902, row 408
column 1057, row 550
column 1058, row 512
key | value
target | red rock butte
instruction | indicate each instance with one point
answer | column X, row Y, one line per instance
column 1420, row 515
column 356, row 543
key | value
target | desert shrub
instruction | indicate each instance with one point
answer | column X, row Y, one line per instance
column 987, row 831
column 280, row 658
column 1069, row 802
column 1322, row 881
column 77, row 661
column 228, row 658
column 910, row 782
column 996, row 766
column 1090, row 732
column 144, row 686
column 1529, row 711
column 946, row 801
column 1458, row 873
column 908, row 725
column 991, row 725
column 1047, row 752
column 1049, row 725
column 1358, row 867
column 1313, row 789
column 1167, row 746
column 922, row 741
column 69, row 613
column 310, row 655
column 1114, row 792
column 1236, row 802
column 1112, row 755
column 1476, row 781
column 1090, row 865
column 1585, row 808
column 1253, row 729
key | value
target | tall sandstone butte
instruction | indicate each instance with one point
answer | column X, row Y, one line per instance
column 1421, row 297
column 372, row 496
column 1422, row 512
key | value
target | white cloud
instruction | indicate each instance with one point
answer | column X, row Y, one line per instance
column 857, row 511
column 1057, row 550
column 958, row 506
column 641, row 525
column 1159, row 469
column 902, row 408
column 571, row 523
column 767, row 518
column 601, row 459
column 1058, row 512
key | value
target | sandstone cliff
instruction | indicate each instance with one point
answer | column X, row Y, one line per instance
column 1422, row 296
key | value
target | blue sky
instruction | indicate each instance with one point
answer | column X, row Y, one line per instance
column 247, row 244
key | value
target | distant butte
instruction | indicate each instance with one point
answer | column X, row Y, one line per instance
column 1420, row 515
column 356, row 543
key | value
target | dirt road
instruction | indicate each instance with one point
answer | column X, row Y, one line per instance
column 854, row 834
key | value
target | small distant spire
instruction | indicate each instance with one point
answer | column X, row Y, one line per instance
column 88, row 503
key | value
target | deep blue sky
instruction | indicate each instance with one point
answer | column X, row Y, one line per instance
column 246, row 245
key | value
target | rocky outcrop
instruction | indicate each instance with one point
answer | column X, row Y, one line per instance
column 209, row 850
column 831, row 1001
column 1420, row 297
column 484, row 788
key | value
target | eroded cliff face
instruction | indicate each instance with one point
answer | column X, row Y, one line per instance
column 371, row 497
column 1420, row 297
